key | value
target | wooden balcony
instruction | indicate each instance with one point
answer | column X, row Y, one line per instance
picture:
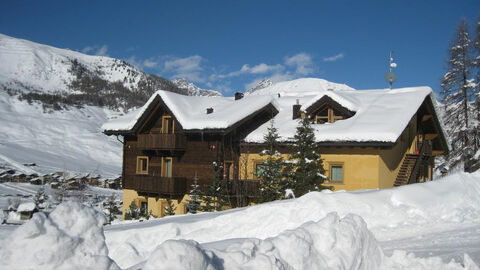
column 158, row 185
column 162, row 141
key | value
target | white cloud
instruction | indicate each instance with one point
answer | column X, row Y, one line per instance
column 333, row 58
column 302, row 62
column 96, row 50
column 150, row 63
column 188, row 67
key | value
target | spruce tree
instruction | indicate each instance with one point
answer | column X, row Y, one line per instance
column 457, row 87
column 476, row 63
column 271, row 177
column 170, row 208
column 214, row 198
column 195, row 194
column 305, row 168
column 40, row 198
column 112, row 207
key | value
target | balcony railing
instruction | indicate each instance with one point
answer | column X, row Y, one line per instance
column 159, row 185
column 162, row 141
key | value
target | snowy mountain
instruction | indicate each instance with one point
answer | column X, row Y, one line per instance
column 260, row 85
column 298, row 87
column 53, row 75
column 194, row 90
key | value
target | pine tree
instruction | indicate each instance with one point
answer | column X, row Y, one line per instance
column 304, row 171
column 476, row 64
column 40, row 198
column 457, row 89
column 214, row 198
column 170, row 208
column 194, row 203
column 271, row 177
column 133, row 212
column 112, row 207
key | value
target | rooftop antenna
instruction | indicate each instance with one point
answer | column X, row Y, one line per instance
column 390, row 76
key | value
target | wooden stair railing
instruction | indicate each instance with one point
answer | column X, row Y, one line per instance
column 410, row 168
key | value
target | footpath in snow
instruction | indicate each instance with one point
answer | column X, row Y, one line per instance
column 328, row 230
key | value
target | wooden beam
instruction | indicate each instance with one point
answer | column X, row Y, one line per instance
column 425, row 117
column 431, row 136
column 437, row 152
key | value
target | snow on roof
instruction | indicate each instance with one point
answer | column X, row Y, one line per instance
column 300, row 87
column 190, row 111
column 26, row 207
column 380, row 115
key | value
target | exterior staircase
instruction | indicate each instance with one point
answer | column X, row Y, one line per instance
column 411, row 164
column 406, row 170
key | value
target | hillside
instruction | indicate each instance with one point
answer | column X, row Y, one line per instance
column 61, row 77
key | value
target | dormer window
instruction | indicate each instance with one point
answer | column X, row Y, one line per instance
column 327, row 110
column 326, row 115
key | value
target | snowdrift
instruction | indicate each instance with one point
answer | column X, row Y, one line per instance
column 71, row 237
column 388, row 214
column 330, row 230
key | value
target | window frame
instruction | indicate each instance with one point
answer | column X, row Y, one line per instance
column 139, row 169
column 164, row 171
column 330, row 171
column 165, row 126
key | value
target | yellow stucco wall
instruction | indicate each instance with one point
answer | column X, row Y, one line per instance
column 156, row 205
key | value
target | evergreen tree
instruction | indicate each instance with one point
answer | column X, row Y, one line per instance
column 133, row 212
column 195, row 194
column 457, row 87
column 476, row 63
column 271, row 177
column 214, row 198
column 40, row 198
column 304, row 170
column 170, row 208
column 112, row 207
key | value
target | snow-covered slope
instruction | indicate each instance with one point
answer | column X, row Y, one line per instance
column 66, row 140
column 194, row 90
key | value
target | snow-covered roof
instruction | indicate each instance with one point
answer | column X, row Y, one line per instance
column 26, row 207
column 190, row 111
column 379, row 115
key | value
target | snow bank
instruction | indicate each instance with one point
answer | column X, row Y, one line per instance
column 26, row 207
column 389, row 214
column 331, row 243
column 71, row 237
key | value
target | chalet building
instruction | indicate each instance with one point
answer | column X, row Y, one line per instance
column 367, row 138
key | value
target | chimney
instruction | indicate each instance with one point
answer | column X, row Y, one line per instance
column 296, row 110
column 209, row 110
column 238, row 95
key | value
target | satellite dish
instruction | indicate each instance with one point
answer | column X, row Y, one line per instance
column 390, row 77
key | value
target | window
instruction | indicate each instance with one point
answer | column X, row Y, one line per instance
column 327, row 115
column 228, row 170
column 259, row 169
column 167, row 124
column 167, row 167
column 336, row 173
column 144, row 208
column 142, row 165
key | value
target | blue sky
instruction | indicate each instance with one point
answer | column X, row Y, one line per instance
column 229, row 45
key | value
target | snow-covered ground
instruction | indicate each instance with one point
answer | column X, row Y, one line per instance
column 67, row 140
column 433, row 225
